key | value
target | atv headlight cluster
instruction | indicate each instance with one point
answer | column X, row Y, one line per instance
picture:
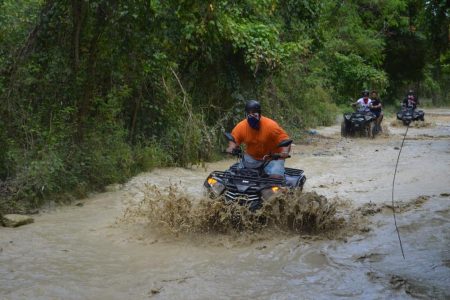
column 216, row 187
column 269, row 193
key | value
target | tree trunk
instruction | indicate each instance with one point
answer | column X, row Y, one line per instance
column 437, row 78
column 78, row 12
column 90, row 79
column 135, row 115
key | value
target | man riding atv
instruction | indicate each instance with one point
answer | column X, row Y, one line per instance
column 363, row 121
column 261, row 135
column 376, row 108
column 364, row 103
column 410, row 100
column 409, row 112
column 260, row 173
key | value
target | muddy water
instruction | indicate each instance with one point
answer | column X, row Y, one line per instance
column 89, row 252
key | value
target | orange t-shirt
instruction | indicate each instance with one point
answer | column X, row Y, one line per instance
column 262, row 141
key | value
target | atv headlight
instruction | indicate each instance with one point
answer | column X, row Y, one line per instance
column 212, row 181
column 215, row 186
column 269, row 193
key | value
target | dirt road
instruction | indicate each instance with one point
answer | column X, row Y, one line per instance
column 84, row 252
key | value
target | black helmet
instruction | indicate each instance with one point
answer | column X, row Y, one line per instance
column 410, row 92
column 252, row 105
column 365, row 93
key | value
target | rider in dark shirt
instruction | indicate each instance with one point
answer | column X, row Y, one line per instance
column 410, row 100
column 375, row 107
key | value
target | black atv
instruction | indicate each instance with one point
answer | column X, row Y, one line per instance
column 362, row 122
column 248, row 184
column 409, row 114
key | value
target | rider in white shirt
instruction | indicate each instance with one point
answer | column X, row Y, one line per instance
column 364, row 103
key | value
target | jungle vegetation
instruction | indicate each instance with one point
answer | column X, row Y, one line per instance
column 95, row 91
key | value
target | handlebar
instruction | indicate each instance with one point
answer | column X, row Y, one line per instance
column 276, row 156
column 273, row 156
column 235, row 152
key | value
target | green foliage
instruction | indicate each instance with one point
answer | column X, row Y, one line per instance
column 259, row 41
column 354, row 75
column 352, row 52
column 16, row 19
column 319, row 108
column 298, row 100
column 151, row 156
column 3, row 152
column 95, row 91
column 45, row 175
column 104, row 160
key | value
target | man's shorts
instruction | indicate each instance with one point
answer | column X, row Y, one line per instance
column 376, row 113
column 273, row 167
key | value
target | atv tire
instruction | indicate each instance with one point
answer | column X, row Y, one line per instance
column 370, row 129
column 344, row 132
column 375, row 130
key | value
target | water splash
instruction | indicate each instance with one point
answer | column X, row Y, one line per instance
column 172, row 210
column 416, row 124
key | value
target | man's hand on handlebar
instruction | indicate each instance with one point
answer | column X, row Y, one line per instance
column 284, row 155
column 275, row 156
column 233, row 151
column 236, row 151
column 233, row 148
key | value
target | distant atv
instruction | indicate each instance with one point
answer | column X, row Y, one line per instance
column 250, row 185
column 409, row 114
column 361, row 122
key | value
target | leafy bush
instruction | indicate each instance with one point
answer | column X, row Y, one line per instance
column 38, row 177
column 151, row 156
column 297, row 100
column 94, row 91
column 318, row 108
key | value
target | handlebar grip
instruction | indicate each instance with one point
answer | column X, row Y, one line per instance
column 236, row 151
column 276, row 156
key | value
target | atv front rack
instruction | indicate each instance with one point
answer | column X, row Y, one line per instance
column 293, row 172
column 246, row 189
column 257, row 180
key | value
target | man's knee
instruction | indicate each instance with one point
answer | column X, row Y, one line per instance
column 275, row 169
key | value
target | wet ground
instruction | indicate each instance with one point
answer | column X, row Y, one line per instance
column 89, row 250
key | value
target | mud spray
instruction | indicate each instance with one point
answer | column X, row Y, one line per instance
column 173, row 211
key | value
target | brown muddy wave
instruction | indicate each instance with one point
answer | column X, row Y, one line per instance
column 173, row 211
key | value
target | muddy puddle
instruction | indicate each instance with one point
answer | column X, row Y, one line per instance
column 156, row 237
